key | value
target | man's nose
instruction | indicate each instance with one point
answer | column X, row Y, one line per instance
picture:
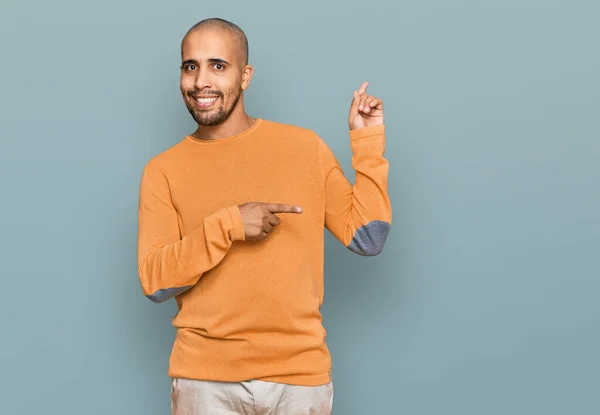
column 202, row 81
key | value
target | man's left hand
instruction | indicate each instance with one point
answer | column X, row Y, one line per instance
column 366, row 110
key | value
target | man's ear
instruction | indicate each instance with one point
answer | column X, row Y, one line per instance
column 247, row 73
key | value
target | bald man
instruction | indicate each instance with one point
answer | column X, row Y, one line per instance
column 231, row 225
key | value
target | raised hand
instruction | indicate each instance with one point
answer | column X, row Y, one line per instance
column 259, row 219
column 366, row 110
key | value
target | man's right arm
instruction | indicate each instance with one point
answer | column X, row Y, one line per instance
column 169, row 264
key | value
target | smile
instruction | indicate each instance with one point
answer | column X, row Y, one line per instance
column 205, row 102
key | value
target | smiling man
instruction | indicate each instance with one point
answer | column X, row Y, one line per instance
column 231, row 225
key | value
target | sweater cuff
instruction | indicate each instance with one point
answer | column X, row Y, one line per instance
column 364, row 132
column 368, row 140
column 238, row 232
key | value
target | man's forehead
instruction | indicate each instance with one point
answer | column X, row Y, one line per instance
column 209, row 43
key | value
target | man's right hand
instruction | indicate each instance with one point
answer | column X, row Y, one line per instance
column 259, row 218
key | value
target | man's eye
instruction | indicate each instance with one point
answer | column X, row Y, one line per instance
column 191, row 67
column 219, row 66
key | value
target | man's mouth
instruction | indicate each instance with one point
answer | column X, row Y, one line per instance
column 205, row 102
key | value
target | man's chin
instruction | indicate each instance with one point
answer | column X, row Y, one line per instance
column 206, row 118
column 209, row 121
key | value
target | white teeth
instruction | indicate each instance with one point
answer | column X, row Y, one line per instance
column 206, row 100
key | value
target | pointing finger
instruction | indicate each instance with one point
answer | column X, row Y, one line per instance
column 363, row 88
column 283, row 208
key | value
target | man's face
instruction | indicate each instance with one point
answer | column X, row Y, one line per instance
column 213, row 75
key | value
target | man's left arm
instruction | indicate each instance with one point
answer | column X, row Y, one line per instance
column 360, row 215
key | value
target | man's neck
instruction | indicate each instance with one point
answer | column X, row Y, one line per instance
column 232, row 126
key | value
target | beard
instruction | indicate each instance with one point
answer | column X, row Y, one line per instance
column 216, row 115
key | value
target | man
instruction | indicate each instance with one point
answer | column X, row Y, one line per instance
column 231, row 225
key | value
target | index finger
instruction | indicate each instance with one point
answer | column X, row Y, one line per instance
column 283, row 208
column 363, row 88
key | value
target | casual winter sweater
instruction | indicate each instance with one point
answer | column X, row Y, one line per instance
column 251, row 309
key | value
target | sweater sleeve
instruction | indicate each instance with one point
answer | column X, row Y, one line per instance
column 169, row 263
column 359, row 215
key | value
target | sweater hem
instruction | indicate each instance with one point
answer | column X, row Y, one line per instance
column 297, row 380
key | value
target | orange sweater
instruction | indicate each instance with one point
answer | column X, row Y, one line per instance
column 251, row 309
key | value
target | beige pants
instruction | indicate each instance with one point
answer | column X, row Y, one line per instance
column 252, row 397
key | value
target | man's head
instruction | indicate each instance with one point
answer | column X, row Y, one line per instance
column 214, row 70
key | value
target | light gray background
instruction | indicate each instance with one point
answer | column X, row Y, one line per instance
column 485, row 300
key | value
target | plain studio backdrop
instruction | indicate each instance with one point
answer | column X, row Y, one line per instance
column 486, row 297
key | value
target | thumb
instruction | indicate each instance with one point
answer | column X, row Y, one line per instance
column 354, row 105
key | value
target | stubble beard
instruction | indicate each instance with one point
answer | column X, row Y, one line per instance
column 214, row 116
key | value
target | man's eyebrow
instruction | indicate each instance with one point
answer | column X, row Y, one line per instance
column 218, row 60
column 211, row 60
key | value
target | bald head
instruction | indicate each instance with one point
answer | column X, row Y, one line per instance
column 223, row 25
